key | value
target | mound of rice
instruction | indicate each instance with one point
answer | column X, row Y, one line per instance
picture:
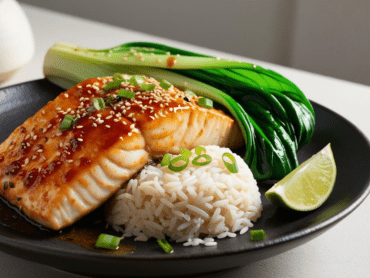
column 200, row 201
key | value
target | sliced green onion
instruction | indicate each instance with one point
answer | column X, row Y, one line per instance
column 258, row 235
column 199, row 150
column 147, row 87
column 110, row 100
column 75, row 121
column 232, row 167
column 118, row 76
column 66, row 123
column 174, row 168
column 113, row 85
column 99, row 103
column 205, row 102
column 166, row 159
column 190, row 93
column 206, row 156
column 165, row 245
column 185, row 152
column 136, row 80
column 165, row 84
column 107, row 242
column 126, row 94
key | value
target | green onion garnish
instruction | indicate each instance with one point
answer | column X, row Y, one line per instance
column 75, row 121
column 67, row 122
column 113, row 85
column 190, row 93
column 110, row 100
column 258, row 235
column 165, row 84
column 174, row 168
column 232, row 167
column 147, row 87
column 166, row 159
column 165, row 245
column 185, row 152
column 206, row 156
column 126, row 94
column 205, row 102
column 99, row 103
column 136, row 80
column 107, row 242
column 199, row 150
column 118, row 76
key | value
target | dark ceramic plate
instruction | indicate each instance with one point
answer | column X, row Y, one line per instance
column 285, row 229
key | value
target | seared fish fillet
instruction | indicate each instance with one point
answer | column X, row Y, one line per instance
column 57, row 176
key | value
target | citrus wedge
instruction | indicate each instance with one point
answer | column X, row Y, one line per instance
column 309, row 185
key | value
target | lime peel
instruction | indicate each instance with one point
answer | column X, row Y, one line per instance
column 309, row 185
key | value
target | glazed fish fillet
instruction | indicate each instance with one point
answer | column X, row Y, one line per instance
column 55, row 176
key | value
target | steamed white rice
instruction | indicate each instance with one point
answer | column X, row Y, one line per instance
column 200, row 201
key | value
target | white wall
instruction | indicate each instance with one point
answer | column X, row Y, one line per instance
column 328, row 37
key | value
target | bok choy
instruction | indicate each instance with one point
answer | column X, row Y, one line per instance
column 275, row 117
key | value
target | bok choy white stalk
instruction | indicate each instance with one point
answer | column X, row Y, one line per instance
column 275, row 117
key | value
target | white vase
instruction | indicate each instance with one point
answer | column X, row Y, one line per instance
column 17, row 44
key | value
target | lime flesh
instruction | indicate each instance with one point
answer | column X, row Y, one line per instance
column 309, row 185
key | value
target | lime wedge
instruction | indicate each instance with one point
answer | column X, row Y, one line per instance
column 309, row 185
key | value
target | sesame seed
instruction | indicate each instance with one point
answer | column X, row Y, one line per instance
column 28, row 144
column 107, row 126
column 43, row 112
column 88, row 85
column 109, row 117
column 58, row 108
column 79, row 86
column 26, row 161
column 130, row 133
column 80, row 139
column 99, row 115
column 40, row 150
column 66, row 95
column 153, row 118
column 121, row 137
column 89, row 91
column 94, row 125
column 69, row 160
column 59, row 153
column 34, row 157
column 28, row 136
column 116, row 120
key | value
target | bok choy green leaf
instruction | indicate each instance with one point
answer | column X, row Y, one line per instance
column 275, row 117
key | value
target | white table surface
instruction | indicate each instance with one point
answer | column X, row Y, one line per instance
column 336, row 253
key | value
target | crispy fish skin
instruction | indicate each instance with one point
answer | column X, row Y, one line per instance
column 55, row 177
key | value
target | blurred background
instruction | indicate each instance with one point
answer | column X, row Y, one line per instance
column 325, row 37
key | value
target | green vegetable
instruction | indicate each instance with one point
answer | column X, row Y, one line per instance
column 205, row 102
column 108, row 242
column 136, row 80
column 199, row 150
column 232, row 167
column 258, row 235
column 118, row 76
column 147, row 87
column 126, row 94
column 165, row 245
column 165, row 84
column 274, row 116
column 99, row 103
column 166, row 159
column 178, row 168
column 206, row 156
column 185, row 152
column 113, row 85
column 66, row 122
column 189, row 93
